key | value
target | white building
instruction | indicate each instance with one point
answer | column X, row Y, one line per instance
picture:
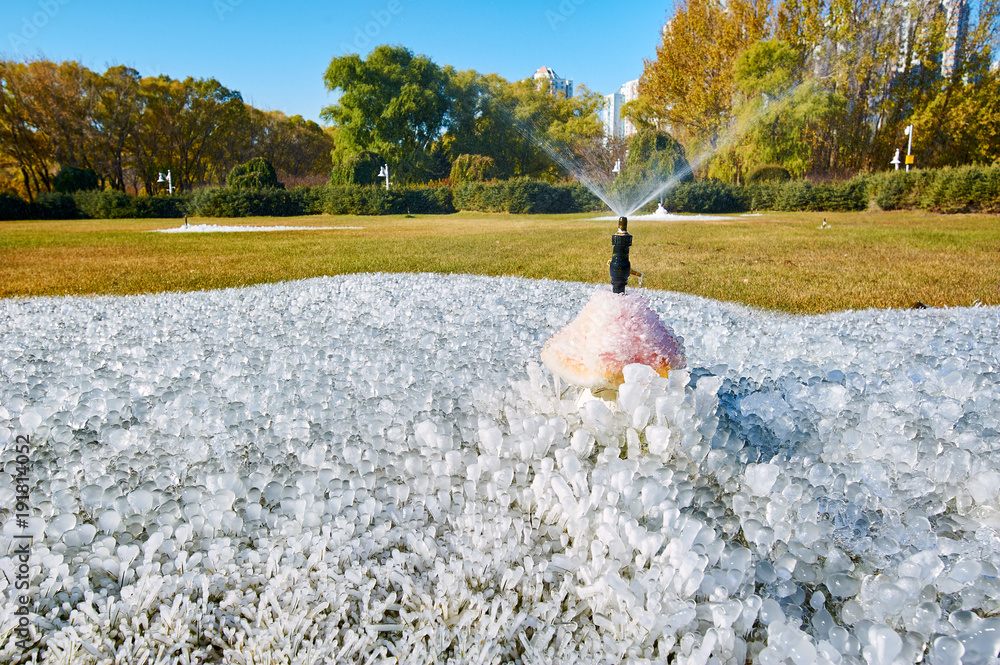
column 557, row 86
column 615, row 124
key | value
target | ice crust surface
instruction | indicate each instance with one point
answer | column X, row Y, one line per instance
column 377, row 468
column 221, row 228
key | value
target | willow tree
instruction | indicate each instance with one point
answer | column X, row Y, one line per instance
column 392, row 102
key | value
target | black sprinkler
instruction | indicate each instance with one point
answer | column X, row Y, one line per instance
column 620, row 266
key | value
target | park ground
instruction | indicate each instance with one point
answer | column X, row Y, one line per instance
column 781, row 261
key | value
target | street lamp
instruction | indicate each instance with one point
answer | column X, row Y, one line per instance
column 384, row 173
column 909, row 146
column 166, row 179
column 618, row 166
column 895, row 160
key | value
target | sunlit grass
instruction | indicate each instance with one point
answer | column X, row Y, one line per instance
column 777, row 261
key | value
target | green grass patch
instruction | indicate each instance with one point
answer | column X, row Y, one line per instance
column 779, row 261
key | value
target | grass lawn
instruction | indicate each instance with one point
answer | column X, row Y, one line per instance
column 779, row 261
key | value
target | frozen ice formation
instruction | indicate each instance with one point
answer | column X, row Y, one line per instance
column 611, row 332
column 374, row 468
column 220, row 228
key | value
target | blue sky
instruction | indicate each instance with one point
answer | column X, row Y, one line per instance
column 276, row 54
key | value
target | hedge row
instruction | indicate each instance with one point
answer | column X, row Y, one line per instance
column 523, row 196
column 965, row 189
column 333, row 200
column 949, row 190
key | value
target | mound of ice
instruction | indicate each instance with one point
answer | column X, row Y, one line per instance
column 375, row 467
column 611, row 332
column 218, row 228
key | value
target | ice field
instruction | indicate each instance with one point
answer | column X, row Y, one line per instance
column 378, row 468
column 221, row 228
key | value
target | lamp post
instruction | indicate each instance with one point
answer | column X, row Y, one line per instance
column 168, row 180
column 909, row 146
column 384, row 173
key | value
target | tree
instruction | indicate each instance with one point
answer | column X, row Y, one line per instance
column 72, row 179
column 393, row 103
column 22, row 143
column 689, row 88
column 185, row 128
column 655, row 163
column 358, row 169
column 780, row 120
column 114, row 120
column 257, row 175
column 523, row 128
column 471, row 168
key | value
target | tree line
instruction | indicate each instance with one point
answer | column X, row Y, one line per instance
column 429, row 122
column 824, row 87
column 127, row 129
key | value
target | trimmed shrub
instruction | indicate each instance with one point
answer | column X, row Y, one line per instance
column 769, row 173
column 523, row 196
column 424, row 201
column 238, row 203
column 14, row 207
column 257, row 175
column 582, row 199
column 705, row 196
column 354, row 200
column 761, row 195
column 56, row 206
column 72, row 179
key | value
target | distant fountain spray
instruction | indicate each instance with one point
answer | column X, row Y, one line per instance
column 617, row 329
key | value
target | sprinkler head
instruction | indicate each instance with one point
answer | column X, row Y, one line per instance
column 620, row 266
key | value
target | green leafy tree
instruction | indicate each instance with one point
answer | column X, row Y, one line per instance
column 257, row 175
column 471, row 168
column 72, row 179
column 779, row 120
column 393, row 103
column 358, row 169
column 655, row 163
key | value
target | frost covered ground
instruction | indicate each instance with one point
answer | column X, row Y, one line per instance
column 377, row 467
column 219, row 228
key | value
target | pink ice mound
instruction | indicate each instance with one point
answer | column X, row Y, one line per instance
column 613, row 330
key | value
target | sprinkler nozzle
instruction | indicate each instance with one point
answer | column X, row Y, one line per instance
column 620, row 266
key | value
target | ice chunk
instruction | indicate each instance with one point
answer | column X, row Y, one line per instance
column 760, row 478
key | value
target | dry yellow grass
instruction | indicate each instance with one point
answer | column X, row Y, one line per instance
column 777, row 261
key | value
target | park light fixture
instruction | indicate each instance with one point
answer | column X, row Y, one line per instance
column 168, row 180
column 384, row 173
column 909, row 146
column 895, row 160
column 618, row 166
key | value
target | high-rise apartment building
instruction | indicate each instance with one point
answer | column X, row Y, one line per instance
column 615, row 124
column 557, row 85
